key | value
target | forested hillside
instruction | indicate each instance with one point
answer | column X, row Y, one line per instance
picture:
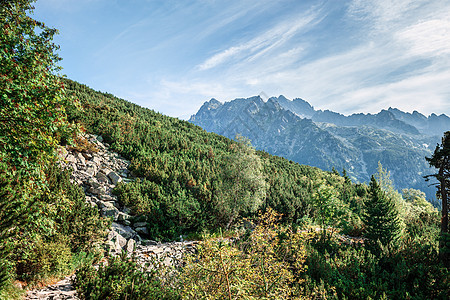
column 267, row 227
column 185, row 172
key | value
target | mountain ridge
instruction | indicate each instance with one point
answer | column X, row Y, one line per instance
column 295, row 130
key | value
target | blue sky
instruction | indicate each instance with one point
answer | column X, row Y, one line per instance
column 172, row 55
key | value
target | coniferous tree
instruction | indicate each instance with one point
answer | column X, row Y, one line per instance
column 441, row 160
column 380, row 217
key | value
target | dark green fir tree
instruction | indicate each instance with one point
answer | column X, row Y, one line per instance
column 380, row 218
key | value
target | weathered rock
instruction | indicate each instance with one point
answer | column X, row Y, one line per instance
column 102, row 178
column 60, row 290
column 91, row 170
column 71, row 159
column 130, row 245
column 142, row 230
column 100, row 138
column 96, row 159
column 96, row 191
column 81, row 159
column 93, row 182
column 122, row 216
column 104, row 204
column 105, row 170
column 140, row 224
column 120, row 241
column 124, row 231
column 87, row 156
column 110, row 212
column 149, row 243
column 107, row 197
column 115, row 178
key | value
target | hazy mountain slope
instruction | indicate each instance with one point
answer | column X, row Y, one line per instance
column 325, row 139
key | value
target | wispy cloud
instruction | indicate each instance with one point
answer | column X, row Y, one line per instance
column 349, row 56
column 262, row 43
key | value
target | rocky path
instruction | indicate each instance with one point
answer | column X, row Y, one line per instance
column 62, row 290
column 98, row 172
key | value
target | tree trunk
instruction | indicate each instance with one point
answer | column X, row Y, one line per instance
column 443, row 252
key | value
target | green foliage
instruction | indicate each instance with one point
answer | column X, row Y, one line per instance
column 121, row 278
column 32, row 123
column 60, row 223
column 189, row 177
column 441, row 161
column 243, row 187
column 347, row 270
column 381, row 217
column 32, row 102
column 265, row 265
column 328, row 207
column 47, row 259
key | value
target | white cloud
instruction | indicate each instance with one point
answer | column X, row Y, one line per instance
column 263, row 43
column 427, row 38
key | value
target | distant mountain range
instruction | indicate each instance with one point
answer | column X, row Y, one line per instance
column 326, row 139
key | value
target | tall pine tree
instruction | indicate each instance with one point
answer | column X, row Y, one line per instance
column 381, row 217
column 441, row 161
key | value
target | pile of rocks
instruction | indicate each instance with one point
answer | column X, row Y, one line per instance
column 98, row 172
column 63, row 290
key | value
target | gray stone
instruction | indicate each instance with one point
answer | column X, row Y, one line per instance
column 91, row 170
column 120, row 241
column 93, row 182
column 131, row 245
column 111, row 235
column 122, row 216
column 142, row 230
column 70, row 158
column 96, row 191
column 102, row 178
column 87, row 156
column 96, row 159
column 111, row 245
column 124, row 231
column 140, row 224
column 106, row 171
column 115, row 178
column 110, row 212
column 106, row 197
column 126, row 222
column 149, row 243
column 100, row 138
column 81, row 159
column 104, row 204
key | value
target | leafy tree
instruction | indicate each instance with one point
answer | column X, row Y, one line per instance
column 32, row 102
column 244, row 186
column 328, row 207
column 31, row 112
column 380, row 217
column 441, row 161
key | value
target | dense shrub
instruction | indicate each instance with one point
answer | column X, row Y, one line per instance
column 121, row 278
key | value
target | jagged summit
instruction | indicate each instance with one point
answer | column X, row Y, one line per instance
column 326, row 139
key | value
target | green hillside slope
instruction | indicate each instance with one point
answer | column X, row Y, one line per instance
column 181, row 167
